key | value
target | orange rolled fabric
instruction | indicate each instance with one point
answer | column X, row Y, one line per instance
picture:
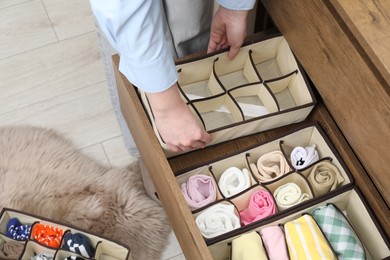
column 47, row 235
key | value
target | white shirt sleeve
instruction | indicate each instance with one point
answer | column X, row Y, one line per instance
column 135, row 29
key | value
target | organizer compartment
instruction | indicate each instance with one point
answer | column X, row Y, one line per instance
column 350, row 202
column 298, row 187
column 101, row 248
column 262, row 88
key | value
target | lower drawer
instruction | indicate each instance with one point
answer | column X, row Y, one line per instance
column 163, row 175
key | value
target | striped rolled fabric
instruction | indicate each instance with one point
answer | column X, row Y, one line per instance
column 305, row 240
column 47, row 235
column 78, row 243
column 339, row 232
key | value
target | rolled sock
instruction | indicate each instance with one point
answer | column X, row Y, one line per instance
column 248, row 247
column 274, row 242
column 47, row 235
column 324, row 177
column 270, row 166
column 233, row 181
column 199, row 190
column 261, row 205
column 217, row 219
column 303, row 157
column 289, row 195
column 43, row 256
column 78, row 243
column 17, row 230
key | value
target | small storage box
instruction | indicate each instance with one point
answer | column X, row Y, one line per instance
column 262, row 88
column 101, row 248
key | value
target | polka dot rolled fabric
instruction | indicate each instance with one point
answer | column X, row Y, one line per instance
column 274, row 242
column 217, row 219
column 270, row 166
column 339, row 232
column 302, row 157
column 199, row 190
column 47, row 235
column 289, row 195
column 248, row 247
column 233, row 181
column 17, row 230
column 324, row 177
column 261, row 205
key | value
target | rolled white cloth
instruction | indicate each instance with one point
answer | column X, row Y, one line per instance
column 270, row 166
column 217, row 219
column 233, row 180
column 289, row 195
column 302, row 157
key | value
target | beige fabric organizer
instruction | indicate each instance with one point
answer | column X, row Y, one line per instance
column 344, row 195
column 105, row 249
column 262, row 88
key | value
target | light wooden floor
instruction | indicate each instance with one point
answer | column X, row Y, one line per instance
column 51, row 75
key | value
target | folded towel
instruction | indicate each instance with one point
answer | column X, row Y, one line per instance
column 261, row 205
column 274, row 242
column 270, row 166
column 289, row 195
column 303, row 157
column 17, row 230
column 78, row 243
column 217, row 219
column 324, row 177
column 199, row 190
column 305, row 240
column 248, row 247
column 233, row 180
column 47, row 235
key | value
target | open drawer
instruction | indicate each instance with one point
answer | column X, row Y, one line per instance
column 164, row 170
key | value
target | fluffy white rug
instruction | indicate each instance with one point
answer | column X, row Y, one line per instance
column 42, row 173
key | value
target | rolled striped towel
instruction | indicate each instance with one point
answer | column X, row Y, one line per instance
column 324, row 177
column 78, row 243
column 261, row 205
column 217, row 219
column 233, row 181
column 270, row 166
column 305, row 240
column 302, row 157
column 199, row 190
column 288, row 195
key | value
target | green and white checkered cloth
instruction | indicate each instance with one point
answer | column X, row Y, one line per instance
column 339, row 233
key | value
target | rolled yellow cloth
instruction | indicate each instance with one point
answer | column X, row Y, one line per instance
column 289, row 195
column 270, row 166
column 324, row 177
column 305, row 240
column 248, row 247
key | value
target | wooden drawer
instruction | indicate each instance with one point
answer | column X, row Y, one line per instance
column 338, row 113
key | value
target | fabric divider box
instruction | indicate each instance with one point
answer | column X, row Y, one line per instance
column 349, row 201
column 261, row 89
column 300, row 189
column 96, row 247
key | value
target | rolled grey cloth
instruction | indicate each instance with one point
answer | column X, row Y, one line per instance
column 43, row 256
column 11, row 250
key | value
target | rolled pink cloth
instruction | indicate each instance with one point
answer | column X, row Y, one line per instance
column 274, row 242
column 199, row 190
column 261, row 205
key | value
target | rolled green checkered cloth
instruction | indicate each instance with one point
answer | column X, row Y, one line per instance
column 339, row 232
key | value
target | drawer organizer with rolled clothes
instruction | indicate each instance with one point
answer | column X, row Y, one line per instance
column 25, row 236
column 262, row 88
column 336, row 226
column 263, row 182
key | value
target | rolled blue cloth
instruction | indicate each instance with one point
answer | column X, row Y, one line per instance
column 78, row 243
column 17, row 230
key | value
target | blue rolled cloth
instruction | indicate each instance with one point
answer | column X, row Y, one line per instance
column 78, row 243
column 17, row 230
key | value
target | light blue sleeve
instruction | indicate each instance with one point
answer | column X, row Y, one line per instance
column 135, row 29
column 237, row 4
